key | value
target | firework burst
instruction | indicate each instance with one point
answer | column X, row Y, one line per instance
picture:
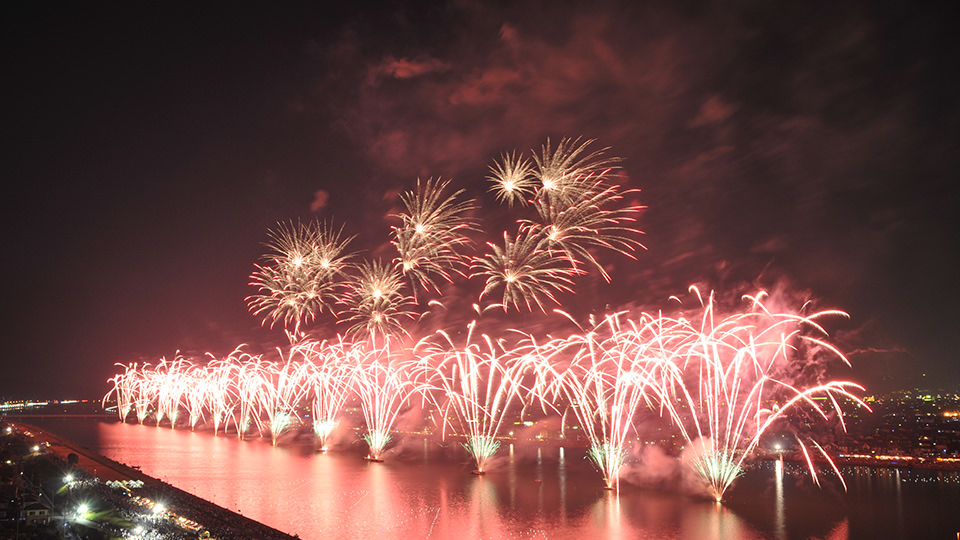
column 298, row 280
column 562, row 170
column 597, row 220
column 513, row 179
column 432, row 231
column 376, row 303
column 525, row 269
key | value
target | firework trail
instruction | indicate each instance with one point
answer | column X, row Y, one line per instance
column 249, row 384
column 125, row 390
column 723, row 382
column 134, row 391
column 146, row 391
column 171, row 381
column 221, row 392
column 280, row 390
column 606, row 382
column 195, row 395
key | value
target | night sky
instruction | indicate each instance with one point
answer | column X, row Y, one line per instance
column 803, row 147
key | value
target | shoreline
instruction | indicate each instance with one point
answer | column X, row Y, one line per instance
column 186, row 504
column 902, row 462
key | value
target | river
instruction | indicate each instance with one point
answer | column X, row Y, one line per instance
column 424, row 490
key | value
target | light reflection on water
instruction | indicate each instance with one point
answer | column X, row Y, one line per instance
column 425, row 491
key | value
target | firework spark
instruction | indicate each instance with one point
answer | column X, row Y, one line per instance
column 595, row 220
column 561, row 170
column 722, row 380
column 606, row 383
column 327, row 378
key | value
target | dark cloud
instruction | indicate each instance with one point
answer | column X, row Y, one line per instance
column 320, row 198
column 404, row 69
column 467, row 105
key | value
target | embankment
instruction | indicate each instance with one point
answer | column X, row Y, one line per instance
column 214, row 518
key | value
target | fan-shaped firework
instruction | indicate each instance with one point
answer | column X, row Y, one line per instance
column 222, row 398
column 431, row 233
column 606, row 383
column 125, row 390
column 328, row 379
column 282, row 388
column 383, row 387
column 723, row 377
column 250, row 382
column 721, row 382
column 477, row 383
column 171, row 381
column 297, row 280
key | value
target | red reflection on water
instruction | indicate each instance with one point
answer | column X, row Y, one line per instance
column 423, row 491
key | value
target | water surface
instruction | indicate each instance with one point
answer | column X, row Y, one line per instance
column 424, row 490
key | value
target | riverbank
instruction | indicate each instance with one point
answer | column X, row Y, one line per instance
column 220, row 522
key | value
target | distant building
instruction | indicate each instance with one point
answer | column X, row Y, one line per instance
column 35, row 513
